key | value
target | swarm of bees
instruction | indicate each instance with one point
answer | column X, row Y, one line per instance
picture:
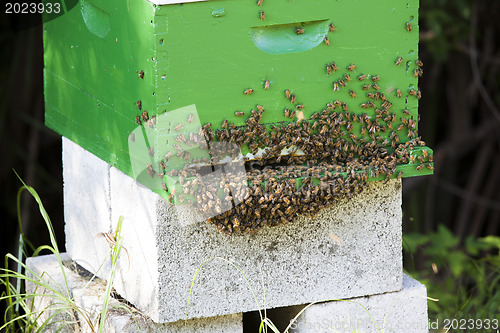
column 328, row 157
column 276, row 188
column 326, row 161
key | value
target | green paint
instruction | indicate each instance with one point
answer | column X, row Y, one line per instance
column 204, row 55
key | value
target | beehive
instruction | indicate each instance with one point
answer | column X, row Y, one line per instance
column 136, row 83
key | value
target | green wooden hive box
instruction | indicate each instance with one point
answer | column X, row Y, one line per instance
column 135, row 82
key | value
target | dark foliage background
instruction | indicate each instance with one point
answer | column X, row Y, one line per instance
column 460, row 119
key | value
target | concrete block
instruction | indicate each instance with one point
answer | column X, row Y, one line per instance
column 87, row 296
column 89, row 201
column 402, row 311
column 351, row 249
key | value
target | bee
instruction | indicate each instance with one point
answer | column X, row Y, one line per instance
column 399, row 61
column 168, row 155
column 299, row 31
column 412, row 92
column 131, row 137
column 351, row 67
column 335, row 86
column 224, row 124
column 323, row 130
column 248, row 91
column 151, row 151
column 300, row 107
column 375, row 78
column 417, row 72
column 353, row 93
column 292, row 98
column 286, row 113
column 151, row 172
column 266, row 84
column 361, row 77
column 164, row 186
column 176, row 146
column 424, row 153
column 152, row 121
column 141, row 74
column 239, row 113
column 375, row 86
column 190, row 118
column 367, row 105
column 347, row 77
column 365, row 87
column 162, row 165
column 333, row 66
column 138, row 120
column 180, row 138
column 259, row 2
column 288, row 94
column 332, row 27
column 349, row 126
column 260, row 108
column 327, row 41
column 430, row 167
column 178, row 127
column 145, row 115
column 419, row 167
column 406, row 112
column 139, row 105
column 419, row 63
column 262, row 15
column 181, row 198
column 398, row 93
column 419, row 94
column 408, row 26
column 328, row 69
column 342, row 83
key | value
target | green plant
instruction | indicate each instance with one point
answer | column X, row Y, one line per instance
column 463, row 277
column 61, row 310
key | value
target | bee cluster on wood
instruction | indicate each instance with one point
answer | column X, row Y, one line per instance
column 298, row 166
column 326, row 162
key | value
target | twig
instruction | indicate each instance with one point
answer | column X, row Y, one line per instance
column 460, row 192
column 475, row 68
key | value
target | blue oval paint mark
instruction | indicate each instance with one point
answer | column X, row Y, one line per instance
column 219, row 12
column 96, row 19
column 282, row 38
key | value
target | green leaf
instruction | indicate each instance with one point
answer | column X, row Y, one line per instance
column 412, row 241
column 457, row 261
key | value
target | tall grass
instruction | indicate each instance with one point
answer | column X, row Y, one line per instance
column 24, row 310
